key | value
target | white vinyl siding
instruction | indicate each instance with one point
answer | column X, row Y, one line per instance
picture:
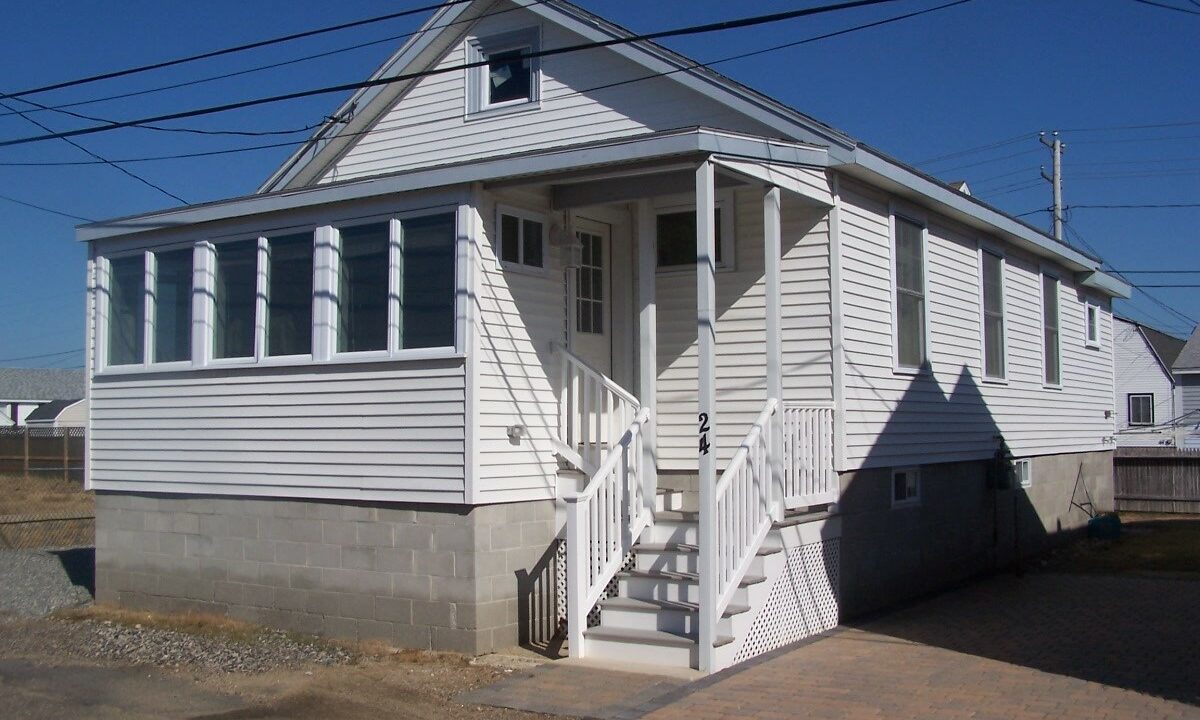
column 1137, row 370
column 386, row 432
column 428, row 125
column 897, row 420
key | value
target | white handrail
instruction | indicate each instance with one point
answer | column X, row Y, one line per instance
column 745, row 504
column 593, row 411
column 603, row 521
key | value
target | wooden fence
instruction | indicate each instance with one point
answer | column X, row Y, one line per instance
column 28, row 450
column 1157, row 479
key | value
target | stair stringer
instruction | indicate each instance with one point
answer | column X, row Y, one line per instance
column 800, row 596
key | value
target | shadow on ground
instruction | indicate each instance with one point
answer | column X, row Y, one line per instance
column 1136, row 633
column 80, row 566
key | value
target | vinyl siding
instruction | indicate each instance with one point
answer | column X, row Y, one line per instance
column 1189, row 393
column 951, row 413
column 1138, row 371
column 741, row 332
column 387, row 431
column 428, row 125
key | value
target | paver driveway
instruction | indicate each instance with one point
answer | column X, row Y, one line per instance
column 1040, row 646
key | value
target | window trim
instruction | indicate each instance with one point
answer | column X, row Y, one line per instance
column 1129, row 409
column 1048, row 272
column 522, row 214
column 479, row 49
column 152, row 306
column 726, row 203
column 1091, row 306
column 915, row 472
column 986, row 247
column 1027, row 481
column 920, row 219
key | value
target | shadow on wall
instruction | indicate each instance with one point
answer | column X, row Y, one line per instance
column 538, row 616
column 968, row 517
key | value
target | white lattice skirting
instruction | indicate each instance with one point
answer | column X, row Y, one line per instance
column 802, row 603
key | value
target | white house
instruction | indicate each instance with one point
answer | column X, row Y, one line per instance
column 1187, row 372
column 753, row 372
column 1147, row 399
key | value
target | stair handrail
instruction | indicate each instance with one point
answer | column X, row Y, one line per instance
column 745, row 504
column 593, row 408
column 604, row 520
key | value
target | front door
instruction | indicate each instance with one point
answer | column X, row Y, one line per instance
column 591, row 324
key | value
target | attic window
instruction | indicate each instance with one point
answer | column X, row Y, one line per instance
column 504, row 78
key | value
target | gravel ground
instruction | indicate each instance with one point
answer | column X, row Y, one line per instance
column 35, row 583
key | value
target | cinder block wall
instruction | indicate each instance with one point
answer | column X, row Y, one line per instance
column 416, row 576
column 960, row 528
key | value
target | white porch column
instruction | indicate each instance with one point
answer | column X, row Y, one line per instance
column 773, row 251
column 648, row 347
column 706, row 319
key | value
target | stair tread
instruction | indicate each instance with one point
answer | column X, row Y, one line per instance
column 683, row 576
column 693, row 548
column 627, row 603
column 686, row 516
column 653, row 637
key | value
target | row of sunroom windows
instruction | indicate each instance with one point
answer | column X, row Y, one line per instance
column 391, row 285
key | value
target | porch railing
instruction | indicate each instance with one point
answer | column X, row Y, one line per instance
column 809, row 478
column 745, row 504
column 604, row 520
column 593, row 411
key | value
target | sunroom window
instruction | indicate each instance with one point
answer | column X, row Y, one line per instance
column 289, row 294
column 173, row 306
column 363, row 288
column 126, row 310
column 234, row 297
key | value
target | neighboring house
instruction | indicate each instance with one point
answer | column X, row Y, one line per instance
column 59, row 414
column 1187, row 372
column 24, row 390
column 1146, row 399
column 754, row 371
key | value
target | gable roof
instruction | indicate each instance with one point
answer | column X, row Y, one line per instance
column 1163, row 346
column 1189, row 357
column 46, row 412
column 40, row 384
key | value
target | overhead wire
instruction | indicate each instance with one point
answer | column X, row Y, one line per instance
column 43, row 208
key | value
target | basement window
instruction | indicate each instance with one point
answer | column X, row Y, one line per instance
column 906, row 487
column 1023, row 470
column 503, row 77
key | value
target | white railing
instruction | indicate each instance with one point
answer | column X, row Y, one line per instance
column 603, row 522
column 745, row 504
column 808, row 478
column 593, row 412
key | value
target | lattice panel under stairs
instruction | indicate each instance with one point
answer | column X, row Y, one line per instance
column 802, row 603
column 611, row 591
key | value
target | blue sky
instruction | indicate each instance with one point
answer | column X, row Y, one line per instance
column 965, row 77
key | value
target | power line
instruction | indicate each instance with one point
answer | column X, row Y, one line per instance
column 989, row 161
column 39, row 357
column 364, row 133
column 227, row 51
column 1167, row 7
column 44, row 209
column 1169, row 286
column 1135, row 207
column 675, row 32
column 979, row 148
column 99, row 157
column 1159, row 272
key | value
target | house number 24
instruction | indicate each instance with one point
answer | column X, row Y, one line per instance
column 704, row 434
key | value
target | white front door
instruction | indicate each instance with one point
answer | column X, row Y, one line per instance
column 591, row 321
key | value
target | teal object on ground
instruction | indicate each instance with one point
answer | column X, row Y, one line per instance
column 1104, row 527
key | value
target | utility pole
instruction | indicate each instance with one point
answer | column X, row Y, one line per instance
column 1056, row 146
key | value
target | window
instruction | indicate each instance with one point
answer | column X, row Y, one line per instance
column 427, row 282
column 173, row 306
column 993, row 316
column 505, row 77
column 127, row 310
column 1091, row 325
column 910, row 294
column 906, row 486
column 289, row 294
column 589, row 289
column 1023, row 472
column 1050, row 332
column 1141, row 408
column 234, row 295
column 522, row 239
column 675, row 235
column 363, row 288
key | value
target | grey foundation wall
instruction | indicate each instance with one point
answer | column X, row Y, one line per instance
column 961, row 527
column 418, row 576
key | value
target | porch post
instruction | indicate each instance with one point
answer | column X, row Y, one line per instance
column 706, row 316
column 648, row 348
column 773, row 251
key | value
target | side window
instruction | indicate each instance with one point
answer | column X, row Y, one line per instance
column 994, row 355
column 1051, row 349
column 127, row 310
column 909, row 253
column 502, row 76
column 1091, row 325
column 522, row 239
column 1141, row 408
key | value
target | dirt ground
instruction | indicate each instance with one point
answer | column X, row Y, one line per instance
column 42, row 493
column 1150, row 544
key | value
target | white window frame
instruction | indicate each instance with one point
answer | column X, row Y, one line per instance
column 1129, row 409
column 916, row 218
column 104, row 311
column 522, row 215
column 152, row 305
column 997, row 252
column 1047, row 272
column 1023, row 473
column 913, row 472
column 725, row 203
column 479, row 49
column 1091, row 309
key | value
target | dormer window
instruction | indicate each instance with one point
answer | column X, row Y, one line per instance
column 505, row 78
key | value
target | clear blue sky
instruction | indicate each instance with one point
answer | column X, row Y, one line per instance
column 957, row 79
